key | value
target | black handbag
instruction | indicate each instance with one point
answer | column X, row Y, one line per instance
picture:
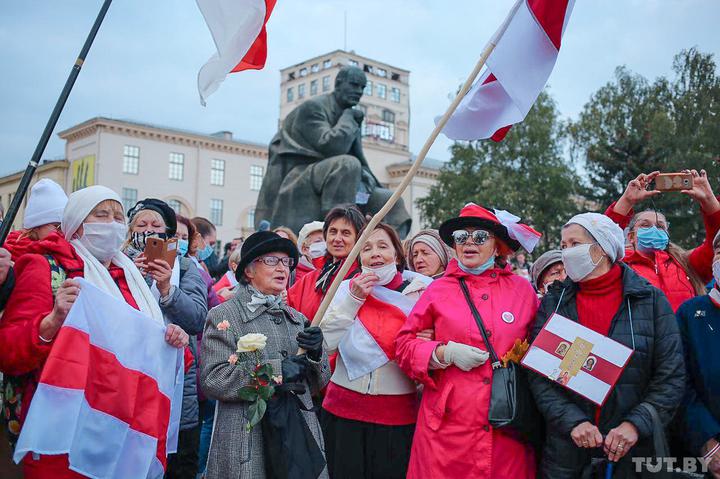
column 511, row 403
column 291, row 451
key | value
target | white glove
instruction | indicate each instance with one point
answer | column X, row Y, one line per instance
column 463, row 356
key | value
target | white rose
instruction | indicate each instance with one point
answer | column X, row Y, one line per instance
column 251, row 342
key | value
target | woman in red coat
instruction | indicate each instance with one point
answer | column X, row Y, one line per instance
column 93, row 231
column 453, row 437
column 340, row 230
column 680, row 274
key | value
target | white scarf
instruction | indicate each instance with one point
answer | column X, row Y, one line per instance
column 79, row 206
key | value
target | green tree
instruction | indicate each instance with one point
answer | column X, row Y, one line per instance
column 631, row 126
column 524, row 174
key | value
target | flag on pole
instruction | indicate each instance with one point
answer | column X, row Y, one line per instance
column 110, row 392
column 238, row 29
column 518, row 69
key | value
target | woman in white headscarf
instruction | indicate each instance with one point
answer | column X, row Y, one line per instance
column 427, row 254
column 605, row 295
column 93, row 230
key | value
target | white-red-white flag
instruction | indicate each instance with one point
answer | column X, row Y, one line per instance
column 238, row 29
column 517, row 71
column 110, row 393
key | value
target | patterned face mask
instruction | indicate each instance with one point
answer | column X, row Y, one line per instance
column 138, row 239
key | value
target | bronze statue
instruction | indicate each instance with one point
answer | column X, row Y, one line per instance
column 316, row 162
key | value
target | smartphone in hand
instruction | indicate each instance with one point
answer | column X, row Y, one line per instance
column 673, row 181
column 156, row 248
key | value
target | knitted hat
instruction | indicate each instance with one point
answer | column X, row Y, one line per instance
column 45, row 205
column 432, row 239
column 605, row 231
column 547, row 259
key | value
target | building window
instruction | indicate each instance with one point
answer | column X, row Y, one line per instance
column 395, row 94
column 177, row 165
column 301, row 91
column 290, row 95
column 368, row 88
column 313, row 88
column 326, row 83
column 381, row 91
column 291, row 76
column 352, row 63
column 256, row 177
column 175, row 205
column 327, row 64
column 381, row 72
column 368, row 68
column 303, row 72
column 216, row 212
column 388, row 116
column 217, row 172
column 129, row 198
column 395, row 76
column 315, row 68
column 131, row 160
column 251, row 218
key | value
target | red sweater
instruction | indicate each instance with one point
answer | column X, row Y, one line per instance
column 599, row 299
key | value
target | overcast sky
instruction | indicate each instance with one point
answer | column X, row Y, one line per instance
column 144, row 63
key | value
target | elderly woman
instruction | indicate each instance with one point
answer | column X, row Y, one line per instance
column 546, row 270
column 181, row 293
column 679, row 274
column 699, row 321
column 453, row 437
column 312, row 248
column 263, row 273
column 370, row 406
column 427, row 254
column 605, row 295
column 93, row 231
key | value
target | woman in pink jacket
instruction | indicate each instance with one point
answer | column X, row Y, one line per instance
column 453, row 437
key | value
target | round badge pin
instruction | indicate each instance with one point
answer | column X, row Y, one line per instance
column 508, row 317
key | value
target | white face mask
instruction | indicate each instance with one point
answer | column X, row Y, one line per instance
column 385, row 273
column 716, row 271
column 103, row 240
column 317, row 249
column 578, row 262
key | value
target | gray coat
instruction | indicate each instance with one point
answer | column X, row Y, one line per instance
column 187, row 307
column 234, row 452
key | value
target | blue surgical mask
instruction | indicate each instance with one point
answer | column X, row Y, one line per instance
column 479, row 269
column 182, row 247
column 205, row 253
column 652, row 239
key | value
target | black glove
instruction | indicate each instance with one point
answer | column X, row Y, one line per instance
column 294, row 369
column 297, row 388
column 311, row 340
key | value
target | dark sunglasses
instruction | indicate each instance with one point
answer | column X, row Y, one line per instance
column 479, row 237
column 274, row 260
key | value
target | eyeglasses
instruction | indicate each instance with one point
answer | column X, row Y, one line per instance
column 479, row 237
column 274, row 260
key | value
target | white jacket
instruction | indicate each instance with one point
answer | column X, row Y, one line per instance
column 377, row 376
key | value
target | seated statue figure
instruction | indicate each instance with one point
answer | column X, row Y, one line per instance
column 316, row 162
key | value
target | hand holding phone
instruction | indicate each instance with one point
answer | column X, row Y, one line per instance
column 156, row 248
column 674, row 181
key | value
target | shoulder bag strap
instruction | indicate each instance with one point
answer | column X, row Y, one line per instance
column 659, row 439
column 478, row 319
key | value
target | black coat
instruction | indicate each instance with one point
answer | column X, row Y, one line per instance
column 655, row 374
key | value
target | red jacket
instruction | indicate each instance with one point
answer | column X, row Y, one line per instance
column 305, row 298
column 453, row 437
column 662, row 270
column 21, row 350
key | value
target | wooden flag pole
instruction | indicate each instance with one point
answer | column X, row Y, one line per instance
column 378, row 217
column 50, row 126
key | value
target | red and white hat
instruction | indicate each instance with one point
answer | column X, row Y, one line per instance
column 504, row 225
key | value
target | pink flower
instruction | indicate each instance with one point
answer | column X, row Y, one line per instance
column 233, row 359
column 224, row 325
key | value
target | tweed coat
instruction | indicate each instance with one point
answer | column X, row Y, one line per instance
column 234, row 452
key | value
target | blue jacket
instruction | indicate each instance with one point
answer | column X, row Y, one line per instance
column 699, row 322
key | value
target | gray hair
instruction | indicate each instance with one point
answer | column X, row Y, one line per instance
column 235, row 256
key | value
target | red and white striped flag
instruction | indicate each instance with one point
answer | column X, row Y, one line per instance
column 517, row 71
column 110, row 393
column 238, row 29
column 596, row 368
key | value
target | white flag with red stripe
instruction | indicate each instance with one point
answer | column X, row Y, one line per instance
column 596, row 371
column 110, row 392
column 517, row 71
column 238, row 29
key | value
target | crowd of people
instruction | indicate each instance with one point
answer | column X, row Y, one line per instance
column 396, row 378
